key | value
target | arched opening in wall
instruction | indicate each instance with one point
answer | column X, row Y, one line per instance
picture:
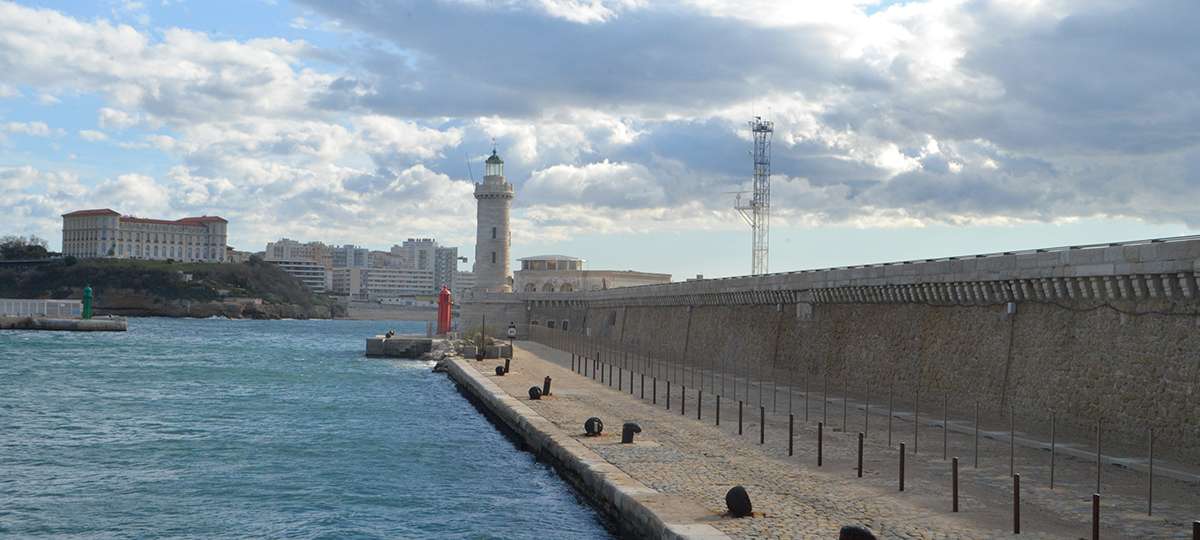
column 565, row 325
column 566, row 287
column 529, row 287
column 550, row 324
column 548, row 287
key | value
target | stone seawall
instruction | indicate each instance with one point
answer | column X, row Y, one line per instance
column 624, row 500
column 1107, row 333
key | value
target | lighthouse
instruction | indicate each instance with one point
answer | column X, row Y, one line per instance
column 492, row 237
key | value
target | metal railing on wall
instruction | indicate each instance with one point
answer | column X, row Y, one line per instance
column 674, row 380
column 55, row 309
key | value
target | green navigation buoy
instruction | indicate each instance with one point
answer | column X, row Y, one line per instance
column 87, row 302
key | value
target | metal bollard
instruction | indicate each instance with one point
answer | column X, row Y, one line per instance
column 683, row 402
column 1095, row 516
column 1016, row 504
column 1053, row 436
column 820, row 443
column 954, row 482
column 572, row 362
column 499, row 371
column 506, row 364
column 668, row 395
column 718, row 409
column 860, row 454
column 643, row 386
column 654, row 392
column 739, row 417
column 901, row 466
column 1196, row 530
column 791, row 436
column 610, row 366
column 762, row 424
column 620, row 379
column 535, row 393
column 546, row 386
column 699, row 401
column 627, row 432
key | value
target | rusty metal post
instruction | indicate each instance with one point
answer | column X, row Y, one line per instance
column 820, row 442
column 860, row 454
column 901, row 466
column 791, row 433
column 954, row 483
column 1016, row 504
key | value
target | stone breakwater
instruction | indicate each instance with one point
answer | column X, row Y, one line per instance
column 116, row 324
column 1091, row 335
column 634, row 508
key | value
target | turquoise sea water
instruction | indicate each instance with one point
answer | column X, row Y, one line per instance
column 236, row 429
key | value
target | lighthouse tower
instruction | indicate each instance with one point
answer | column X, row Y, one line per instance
column 492, row 237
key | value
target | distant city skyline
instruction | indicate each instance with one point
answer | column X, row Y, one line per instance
column 903, row 130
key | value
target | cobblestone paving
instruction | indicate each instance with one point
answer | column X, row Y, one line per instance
column 695, row 460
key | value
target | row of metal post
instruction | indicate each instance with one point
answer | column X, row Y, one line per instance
column 590, row 352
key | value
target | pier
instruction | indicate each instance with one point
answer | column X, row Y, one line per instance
column 803, row 482
column 55, row 315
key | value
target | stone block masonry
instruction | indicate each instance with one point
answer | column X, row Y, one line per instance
column 1105, row 333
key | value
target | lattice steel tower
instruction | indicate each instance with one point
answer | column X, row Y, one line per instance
column 757, row 211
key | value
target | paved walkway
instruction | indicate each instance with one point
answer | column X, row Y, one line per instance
column 698, row 461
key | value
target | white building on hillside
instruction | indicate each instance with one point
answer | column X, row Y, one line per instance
column 106, row 233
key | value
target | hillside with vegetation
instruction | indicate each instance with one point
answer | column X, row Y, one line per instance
column 164, row 288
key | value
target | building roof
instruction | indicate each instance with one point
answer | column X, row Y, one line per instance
column 550, row 258
column 187, row 221
column 95, row 212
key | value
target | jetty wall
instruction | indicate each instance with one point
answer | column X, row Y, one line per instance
column 1103, row 334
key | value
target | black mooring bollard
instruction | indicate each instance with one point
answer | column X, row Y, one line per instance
column 1095, row 516
column 820, row 442
column 860, row 454
column 643, row 386
column 901, row 466
column 546, row 386
column 627, row 431
column 506, row 364
column 610, row 366
column 954, row 483
column 668, row 395
column 738, row 502
column 1017, row 503
column 762, row 424
column 1196, row 530
column 739, row 417
column 535, row 393
column 593, row 427
column 791, row 433
column 499, row 371
column 683, row 402
column 654, row 392
column 699, row 402
column 572, row 362
column 621, row 379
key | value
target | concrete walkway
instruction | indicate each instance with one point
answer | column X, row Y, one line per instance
column 697, row 462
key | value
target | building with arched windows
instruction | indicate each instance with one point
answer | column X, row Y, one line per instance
column 561, row 273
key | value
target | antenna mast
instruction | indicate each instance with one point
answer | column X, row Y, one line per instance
column 757, row 211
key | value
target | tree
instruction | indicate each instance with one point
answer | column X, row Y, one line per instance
column 20, row 248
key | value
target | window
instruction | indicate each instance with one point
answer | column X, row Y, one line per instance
column 564, row 325
column 533, row 323
column 493, row 257
column 493, row 233
column 549, row 324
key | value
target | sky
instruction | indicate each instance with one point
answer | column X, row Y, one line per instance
column 903, row 130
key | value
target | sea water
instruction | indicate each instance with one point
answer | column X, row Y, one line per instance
column 237, row 428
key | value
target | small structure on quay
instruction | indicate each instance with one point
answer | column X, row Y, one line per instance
column 59, row 315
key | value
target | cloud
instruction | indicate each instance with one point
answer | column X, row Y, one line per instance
column 631, row 115
column 34, row 129
column 92, row 135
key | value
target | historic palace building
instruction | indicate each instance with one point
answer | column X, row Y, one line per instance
column 105, row 233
